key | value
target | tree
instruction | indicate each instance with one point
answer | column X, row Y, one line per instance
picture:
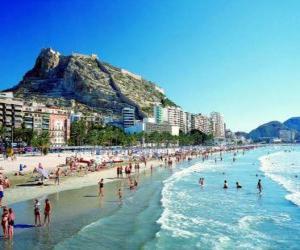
column 23, row 135
column 41, row 141
column 78, row 133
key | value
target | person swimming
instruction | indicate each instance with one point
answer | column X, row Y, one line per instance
column 238, row 185
column 201, row 181
column 225, row 185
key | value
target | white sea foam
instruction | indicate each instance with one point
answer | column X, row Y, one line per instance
column 277, row 166
column 170, row 220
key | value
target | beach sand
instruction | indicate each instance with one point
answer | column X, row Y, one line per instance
column 22, row 193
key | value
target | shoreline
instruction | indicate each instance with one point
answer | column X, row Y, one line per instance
column 22, row 193
column 19, row 194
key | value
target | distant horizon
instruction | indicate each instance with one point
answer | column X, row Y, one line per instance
column 237, row 58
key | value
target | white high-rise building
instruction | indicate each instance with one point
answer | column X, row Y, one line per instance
column 218, row 125
column 128, row 117
column 188, row 122
column 201, row 122
column 160, row 114
column 174, row 114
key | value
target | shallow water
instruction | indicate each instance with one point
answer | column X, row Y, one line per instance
column 170, row 210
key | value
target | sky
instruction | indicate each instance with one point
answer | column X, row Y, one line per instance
column 238, row 57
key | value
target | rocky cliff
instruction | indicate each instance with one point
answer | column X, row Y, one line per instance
column 88, row 83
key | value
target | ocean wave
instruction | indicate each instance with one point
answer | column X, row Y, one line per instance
column 171, row 220
column 281, row 173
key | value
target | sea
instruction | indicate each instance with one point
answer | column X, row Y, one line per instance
column 170, row 210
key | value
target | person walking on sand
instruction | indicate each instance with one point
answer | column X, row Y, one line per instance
column 47, row 212
column 101, row 187
column 37, row 213
column 11, row 223
column 1, row 192
column 259, row 186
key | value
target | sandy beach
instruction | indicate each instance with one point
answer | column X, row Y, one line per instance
column 50, row 162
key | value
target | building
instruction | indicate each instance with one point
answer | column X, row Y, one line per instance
column 159, row 114
column 54, row 120
column 126, row 72
column 287, row 135
column 90, row 119
column 128, row 117
column 188, row 122
column 59, row 128
column 10, row 114
column 182, row 122
column 217, row 125
column 149, row 127
column 201, row 122
column 173, row 116
column 36, row 117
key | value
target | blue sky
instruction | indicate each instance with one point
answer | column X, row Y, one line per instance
column 234, row 56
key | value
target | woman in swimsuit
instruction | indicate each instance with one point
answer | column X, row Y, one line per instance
column 4, row 222
column 11, row 223
column 37, row 214
column 47, row 212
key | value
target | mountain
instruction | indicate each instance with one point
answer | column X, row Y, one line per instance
column 88, row 84
column 267, row 130
column 293, row 123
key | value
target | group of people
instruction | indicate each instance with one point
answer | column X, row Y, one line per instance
column 37, row 212
column 7, row 222
column 8, row 218
column 237, row 184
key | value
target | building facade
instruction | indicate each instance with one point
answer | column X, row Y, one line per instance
column 128, row 117
column 287, row 135
column 218, row 125
column 149, row 127
column 59, row 128
column 202, row 123
column 10, row 114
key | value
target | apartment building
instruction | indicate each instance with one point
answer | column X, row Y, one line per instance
column 56, row 121
column 10, row 114
column 218, row 125
column 201, row 122
column 128, row 117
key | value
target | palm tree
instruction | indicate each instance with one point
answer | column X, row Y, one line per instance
column 41, row 141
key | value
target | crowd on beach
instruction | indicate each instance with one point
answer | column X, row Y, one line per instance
column 124, row 170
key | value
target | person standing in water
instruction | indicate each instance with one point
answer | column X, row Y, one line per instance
column 11, row 223
column 120, row 195
column 238, row 185
column 4, row 222
column 225, row 185
column 47, row 212
column 37, row 213
column 101, row 187
column 259, row 186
